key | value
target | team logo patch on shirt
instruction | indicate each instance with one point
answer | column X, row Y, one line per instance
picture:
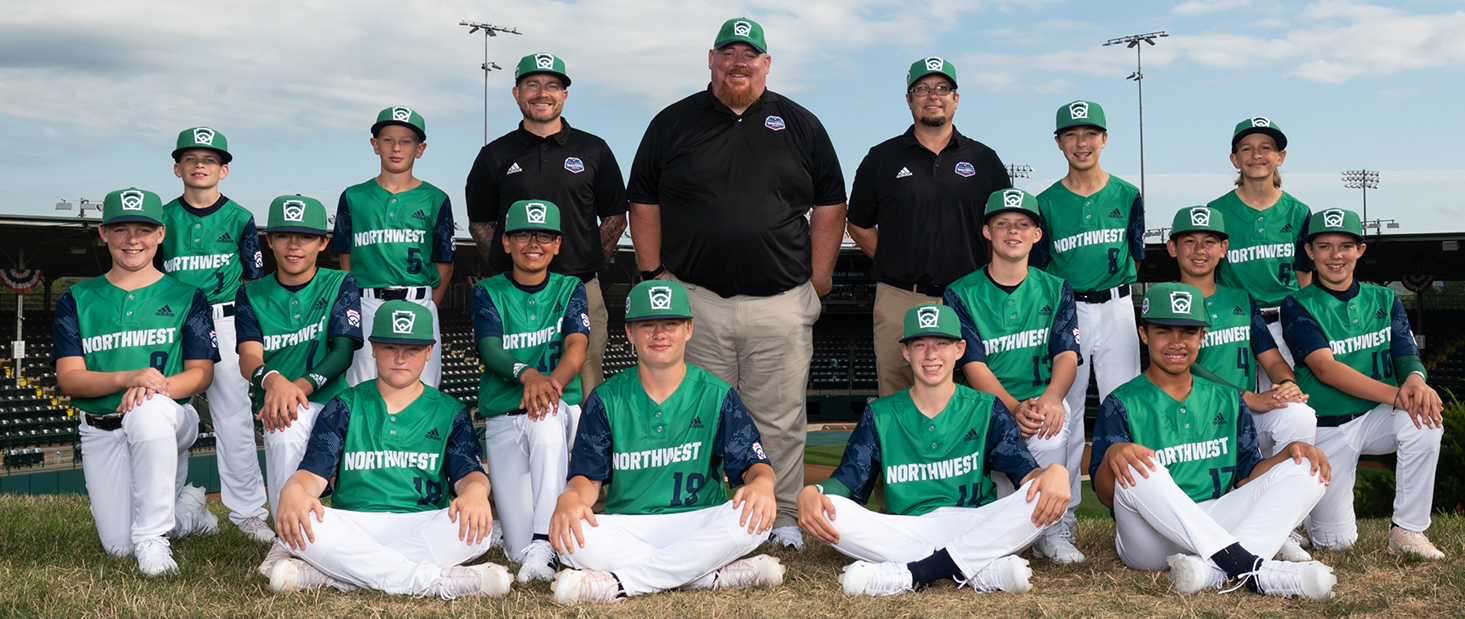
column 1180, row 302
column 1078, row 110
column 971, row 435
column 1046, row 311
column 1200, row 216
column 927, row 317
column 1075, row 336
column 132, row 200
column 1116, row 213
column 165, row 311
column 697, row 423
column 432, row 435
column 660, row 297
column 573, row 164
column 514, row 169
column 353, row 318
column 293, row 210
column 904, row 172
column 585, row 320
column 203, row 135
column 259, row 260
column 758, row 450
column 1333, row 218
column 965, row 169
column 402, row 321
column 225, row 238
column 774, row 122
column 535, row 211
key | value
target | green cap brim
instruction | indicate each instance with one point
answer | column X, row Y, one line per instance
column 1277, row 136
column 1177, row 322
column 1080, row 123
column 932, row 333
column 1176, row 233
column 224, row 155
column 400, row 341
column 297, row 230
column 665, row 316
column 127, row 219
column 564, row 79
column 1037, row 219
column 421, row 135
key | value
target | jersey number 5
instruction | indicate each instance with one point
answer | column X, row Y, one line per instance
column 414, row 260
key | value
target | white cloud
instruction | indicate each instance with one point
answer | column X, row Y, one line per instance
column 1202, row 7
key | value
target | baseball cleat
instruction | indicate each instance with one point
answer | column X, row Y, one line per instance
column 193, row 507
column 1010, row 573
column 496, row 536
column 1058, row 549
column 255, row 528
column 749, row 572
column 155, row 557
column 484, row 579
column 866, row 578
column 1291, row 549
column 1404, row 541
column 296, row 575
column 572, row 587
column 1311, row 580
column 278, row 552
column 1301, row 538
column 1192, row 574
column 788, row 537
column 538, row 562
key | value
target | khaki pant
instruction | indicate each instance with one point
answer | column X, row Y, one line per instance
column 891, row 304
column 590, row 373
column 762, row 347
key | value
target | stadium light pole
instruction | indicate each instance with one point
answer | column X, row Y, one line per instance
column 1015, row 172
column 489, row 31
column 1138, row 76
column 1365, row 180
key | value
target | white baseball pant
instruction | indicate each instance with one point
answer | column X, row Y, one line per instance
column 1278, row 427
column 1109, row 345
column 974, row 537
column 1263, row 381
column 654, row 552
column 363, row 365
column 1382, row 430
column 134, row 474
column 395, row 553
column 241, row 484
column 527, row 463
column 1156, row 519
column 1051, row 450
column 284, row 448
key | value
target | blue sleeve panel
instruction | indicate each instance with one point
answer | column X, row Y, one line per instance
column 486, row 319
column 1007, row 452
column 1065, row 326
column 461, row 454
column 1300, row 261
column 341, row 236
column 246, row 322
column 859, row 468
column 975, row 351
column 1401, row 342
column 1112, row 428
column 443, row 245
column 345, row 318
column 1301, row 331
column 327, row 440
column 577, row 313
column 1136, row 228
column 249, row 255
column 198, row 339
column 591, row 456
column 1261, row 337
column 1248, row 449
column 66, row 330
column 738, row 442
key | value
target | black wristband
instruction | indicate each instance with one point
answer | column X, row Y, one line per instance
column 653, row 273
column 316, row 380
column 258, row 379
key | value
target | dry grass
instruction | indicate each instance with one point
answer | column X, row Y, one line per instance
column 51, row 565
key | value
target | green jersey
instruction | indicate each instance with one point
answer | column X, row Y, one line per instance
column 158, row 326
column 532, row 323
column 214, row 248
column 1365, row 328
column 394, row 239
column 1237, row 335
column 931, row 462
column 668, row 457
column 295, row 326
column 1092, row 241
column 1017, row 332
column 1265, row 249
column 1207, row 441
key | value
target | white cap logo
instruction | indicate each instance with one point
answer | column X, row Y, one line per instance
column 926, row 317
column 1078, row 110
column 402, row 114
column 1333, row 218
column 1200, row 216
column 1261, row 121
column 1012, row 198
column 535, row 211
column 934, row 63
column 1180, row 302
column 742, row 29
column 544, row 61
column 660, row 297
column 402, row 321
column 131, row 200
column 203, row 135
column 294, row 210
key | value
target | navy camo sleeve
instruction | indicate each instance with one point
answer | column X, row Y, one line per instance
column 246, row 322
column 486, row 319
column 66, row 330
column 738, row 442
column 1112, row 428
column 975, row 352
column 592, row 453
column 1042, row 250
column 249, row 255
column 199, row 339
column 1261, row 337
column 1007, row 451
column 341, row 236
column 1136, row 228
column 1300, row 261
column 327, row 439
column 577, row 313
column 1065, row 326
column 461, row 454
column 345, row 318
column 1301, row 331
column 1401, row 343
column 443, row 245
column 1248, row 449
column 859, row 467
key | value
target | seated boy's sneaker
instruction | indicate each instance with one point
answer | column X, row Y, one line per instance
column 484, row 579
column 1192, row 574
column 296, row 575
column 538, row 562
column 572, row 587
column 1010, row 573
column 866, row 578
column 278, row 552
column 155, row 557
column 1291, row 549
column 255, row 528
column 1301, row 538
column 1058, row 547
column 1311, row 580
column 788, row 537
column 1404, row 541
column 749, row 572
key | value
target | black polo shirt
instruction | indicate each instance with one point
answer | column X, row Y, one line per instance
column 928, row 207
column 573, row 169
column 734, row 190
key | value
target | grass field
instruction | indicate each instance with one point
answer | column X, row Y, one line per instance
column 51, row 565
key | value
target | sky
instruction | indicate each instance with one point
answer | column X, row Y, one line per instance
column 93, row 94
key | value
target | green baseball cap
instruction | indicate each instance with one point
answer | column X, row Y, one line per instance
column 1259, row 124
column 541, row 63
column 741, row 29
column 532, row 215
column 1198, row 219
column 399, row 115
column 1175, row 304
column 931, row 320
column 402, row 322
column 1335, row 220
column 927, row 66
column 1078, row 114
column 297, row 213
column 203, row 137
column 657, row 299
column 132, row 205
column 1012, row 200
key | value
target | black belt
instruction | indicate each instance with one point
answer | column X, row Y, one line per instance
column 1333, row 421
column 100, row 422
column 394, row 293
column 517, row 411
column 1271, row 314
column 930, row 290
column 1102, row 296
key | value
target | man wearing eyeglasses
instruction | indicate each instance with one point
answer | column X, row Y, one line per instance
column 546, row 159
column 921, row 196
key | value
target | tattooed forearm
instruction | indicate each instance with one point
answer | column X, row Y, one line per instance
column 610, row 233
column 482, row 232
